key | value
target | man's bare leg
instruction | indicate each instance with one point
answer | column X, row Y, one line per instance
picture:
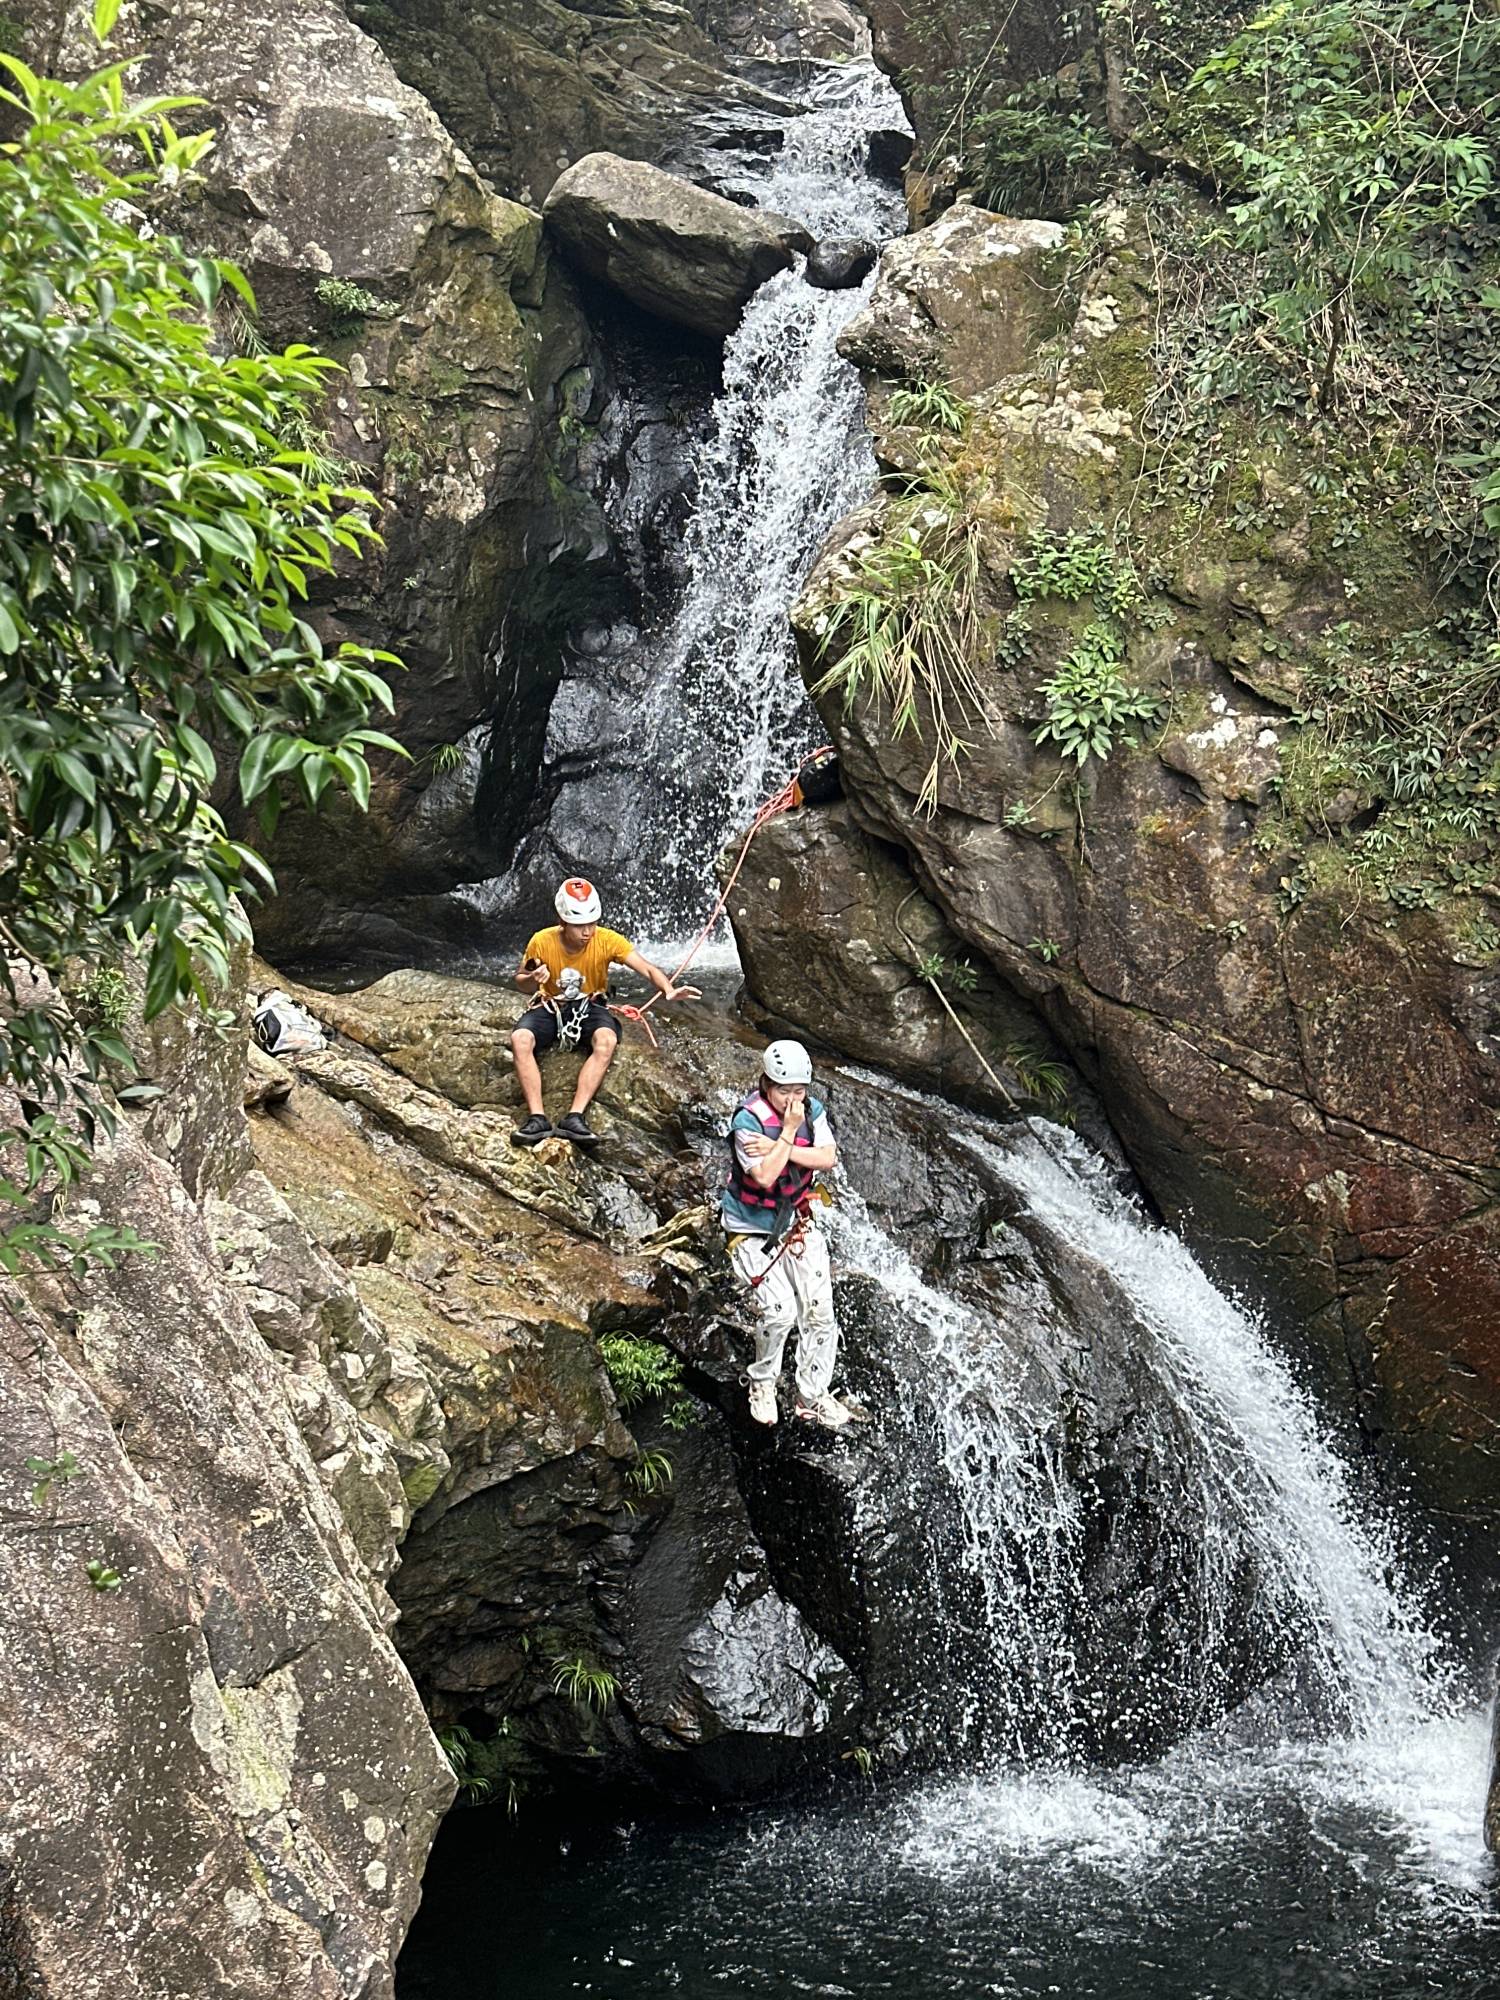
column 528, row 1072
column 601, row 1055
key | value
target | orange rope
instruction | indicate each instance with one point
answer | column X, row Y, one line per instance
column 779, row 802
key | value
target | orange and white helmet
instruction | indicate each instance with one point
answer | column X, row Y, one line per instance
column 577, row 902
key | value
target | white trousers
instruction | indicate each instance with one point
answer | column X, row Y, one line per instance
column 797, row 1291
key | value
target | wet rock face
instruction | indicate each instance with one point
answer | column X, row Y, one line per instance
column 890, row 1538
column 832, row 933
column 839, row 263
column 1305, row 1079
column 489, row 1273
column 368, row 233
column 529, row 86
column 671, row 248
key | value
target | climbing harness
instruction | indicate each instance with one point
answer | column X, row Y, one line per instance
column 814, row 780
column 570, row 1007
column 791, row 1244
column 570, row 1017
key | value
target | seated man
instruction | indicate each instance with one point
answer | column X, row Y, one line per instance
column 779, row 1141
column 567, row 967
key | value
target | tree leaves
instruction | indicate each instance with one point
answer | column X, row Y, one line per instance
column 160, row 529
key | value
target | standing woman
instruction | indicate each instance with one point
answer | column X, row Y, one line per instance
column 779, row 1141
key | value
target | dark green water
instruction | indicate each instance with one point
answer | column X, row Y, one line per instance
column 1217, row 1875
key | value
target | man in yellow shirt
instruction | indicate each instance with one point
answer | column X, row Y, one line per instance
column 567, row 967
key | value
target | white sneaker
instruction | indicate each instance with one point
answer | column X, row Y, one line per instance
column 763, row 1402
column 825, row 1410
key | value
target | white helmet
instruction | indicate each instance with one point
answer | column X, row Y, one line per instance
column 577, row 902
column 787, row 1062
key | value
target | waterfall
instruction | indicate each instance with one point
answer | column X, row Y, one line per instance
column 1277, row 1565
column 787, row 457
column 669, row 734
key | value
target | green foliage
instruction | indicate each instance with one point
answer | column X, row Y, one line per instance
column 641, row 1371
column 1041, row 1079
column 347, row 306
column 1089, row 703
column 940, row 971
column 1353, row 141
column 483, row 1766
column 1048, row 951
column 447, row 756
column 1075, row 566
column 100, row 1575
column 929, row 404
column 51, row 1476
column 581, row 1681
column 104, row 996
column 861, row 1758
column 1039, row 150
column 908, row 632
column 156, row 539
column 651, row 1474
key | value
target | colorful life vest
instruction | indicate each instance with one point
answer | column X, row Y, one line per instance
column 793, row 1185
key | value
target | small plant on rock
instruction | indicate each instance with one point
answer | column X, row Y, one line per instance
column 582, row 1682
column 908, row 630
column 929, row 404
column 645, row 1371
column 51, row 1476
column 651, row 1474
column 1089, row 703
column 348, row 306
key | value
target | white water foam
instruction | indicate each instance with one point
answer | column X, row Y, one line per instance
column 1367, row 1737
column 1270, row 1482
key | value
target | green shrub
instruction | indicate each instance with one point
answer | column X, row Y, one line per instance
column 929, row 404
column 347, row 306
column 583, row 1682
column 640, row 1370
column 156, row 541
column 908, row 632
column 1089, row 703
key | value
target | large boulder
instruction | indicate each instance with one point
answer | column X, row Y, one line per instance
column 839, row 263
column 670, row 247
column 1303, row 1072
column 196, row 1660
column 963, row 302
column 834, row 936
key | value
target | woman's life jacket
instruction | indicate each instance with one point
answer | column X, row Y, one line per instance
column 773, row 1209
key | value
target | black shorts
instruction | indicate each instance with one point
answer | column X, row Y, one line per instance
column 542, row 1022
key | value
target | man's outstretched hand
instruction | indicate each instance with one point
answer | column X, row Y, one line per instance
column 670, row 992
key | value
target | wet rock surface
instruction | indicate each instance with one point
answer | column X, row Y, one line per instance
column 671, row 248
column 367, row 232
column 832, row 933
column 838, row 263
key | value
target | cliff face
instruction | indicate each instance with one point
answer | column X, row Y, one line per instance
column 196, row 1638
column 1302, row 1069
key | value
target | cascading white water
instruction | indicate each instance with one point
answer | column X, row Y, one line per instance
column 1269, row 1486
column 1270, row 1499
column 786, row 458
column 1365, row 1717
